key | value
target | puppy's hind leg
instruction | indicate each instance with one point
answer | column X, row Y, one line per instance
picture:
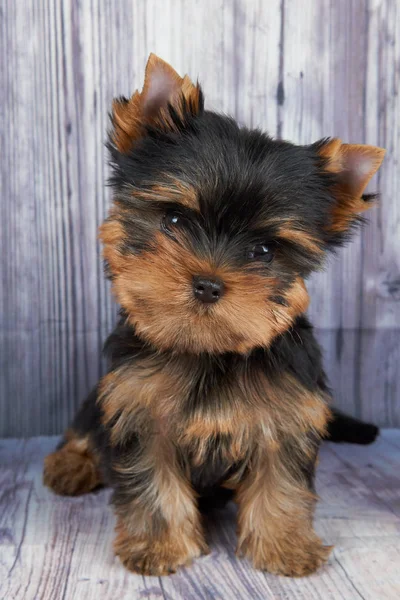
column 73, row 469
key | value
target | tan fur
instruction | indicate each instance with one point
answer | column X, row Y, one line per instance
column 275, row 519
column 342, row 159
column 149, row 395
column 74, row 469
column 160, row 529
column 170, row 190
column 159, row 282
column 197, row 435
column 140, row 394
column 130, row 117
column 275, row 509
column 290, row 232
column 162, row 556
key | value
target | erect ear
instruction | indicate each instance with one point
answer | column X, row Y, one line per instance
column 353, row 165
column 163, row 88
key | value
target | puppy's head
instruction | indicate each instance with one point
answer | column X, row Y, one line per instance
column 215, row 227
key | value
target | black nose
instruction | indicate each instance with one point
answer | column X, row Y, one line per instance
column 207, row 289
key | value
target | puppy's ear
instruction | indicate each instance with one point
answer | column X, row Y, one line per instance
column 351, row 166
column 165, row 100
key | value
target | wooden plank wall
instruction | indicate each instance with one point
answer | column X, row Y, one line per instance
column 302, row 70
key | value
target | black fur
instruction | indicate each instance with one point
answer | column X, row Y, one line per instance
column 344, row 428
column 243, row 178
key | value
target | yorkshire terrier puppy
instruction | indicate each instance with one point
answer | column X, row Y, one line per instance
column 216, row 386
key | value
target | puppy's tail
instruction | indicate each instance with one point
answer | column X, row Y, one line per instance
column 343, row 428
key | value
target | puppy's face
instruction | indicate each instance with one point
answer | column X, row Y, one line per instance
column 214, row 227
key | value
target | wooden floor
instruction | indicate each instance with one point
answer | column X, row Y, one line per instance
column 60, row 548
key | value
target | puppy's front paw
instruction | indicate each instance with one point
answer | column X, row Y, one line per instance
column 157, row 557
column 293, row 557
column 152, row 560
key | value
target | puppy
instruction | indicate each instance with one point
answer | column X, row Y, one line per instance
column 216, row 386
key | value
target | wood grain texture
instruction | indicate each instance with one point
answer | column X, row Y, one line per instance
column 54, row 548
column 330, row 69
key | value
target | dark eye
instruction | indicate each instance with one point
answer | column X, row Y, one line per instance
column 264, row 252
column 171, row 220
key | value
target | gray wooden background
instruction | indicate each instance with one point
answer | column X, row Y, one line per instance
column 302, row 69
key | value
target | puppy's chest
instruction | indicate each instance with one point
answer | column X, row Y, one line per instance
column 204, row 407
column 215, row 427
column 214, row 416
column 216, row 412
column 206, row 410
